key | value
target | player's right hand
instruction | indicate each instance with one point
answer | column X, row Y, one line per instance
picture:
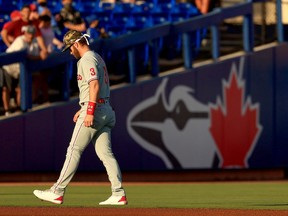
column 76, row 116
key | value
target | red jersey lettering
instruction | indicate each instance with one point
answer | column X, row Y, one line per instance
column 79, row 77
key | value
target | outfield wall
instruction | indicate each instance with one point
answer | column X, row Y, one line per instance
column 229, row 114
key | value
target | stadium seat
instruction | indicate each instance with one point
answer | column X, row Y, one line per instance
column 94, row 34
column 166, row 2
column 154, row 2
column 8, row 6
column 55, row 6
column 79, row 6
column 165, row 7
column 188, row 8
column 141, row 20
column 123, row 7
column 162, row 13
column 25, row 2
column 4, row 18
column 160, row 17
column 123, row 18
column 89, row 7
column 146, row 7
column 105, row 17
column 106, row 6
column 116, row 30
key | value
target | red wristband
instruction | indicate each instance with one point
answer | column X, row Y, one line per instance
column 91, row 108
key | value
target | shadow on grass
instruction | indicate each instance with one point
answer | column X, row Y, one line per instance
column 271, row 205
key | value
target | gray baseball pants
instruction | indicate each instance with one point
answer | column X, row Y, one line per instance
column 100, row 135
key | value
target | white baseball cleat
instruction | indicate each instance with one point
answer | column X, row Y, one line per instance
column 49, row 196
column 115, row 200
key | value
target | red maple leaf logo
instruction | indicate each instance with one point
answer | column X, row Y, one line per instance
column 235, row 126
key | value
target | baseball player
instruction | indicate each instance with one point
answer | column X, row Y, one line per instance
column 94, row 122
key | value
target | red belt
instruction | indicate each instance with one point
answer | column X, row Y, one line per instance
column 99, row 101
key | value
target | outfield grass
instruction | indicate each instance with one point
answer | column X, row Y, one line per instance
column 240, row 195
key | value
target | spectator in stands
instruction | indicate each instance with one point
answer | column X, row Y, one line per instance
column 15, row 15
column 16, row 28
column 43, row 9
column 39, row 9
column 27, row 42
column 70, row 18
column 40, row 80
column 48, row 34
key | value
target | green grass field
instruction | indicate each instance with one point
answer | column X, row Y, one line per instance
column 232, row 195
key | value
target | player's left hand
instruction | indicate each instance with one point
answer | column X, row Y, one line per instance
column 88, row 121
column 76, row 116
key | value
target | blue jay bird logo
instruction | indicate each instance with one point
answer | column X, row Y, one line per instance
column 174, row 127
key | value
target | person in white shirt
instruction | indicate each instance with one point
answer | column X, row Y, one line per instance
column 28, row 42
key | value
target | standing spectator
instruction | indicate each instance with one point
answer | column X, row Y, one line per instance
column 27, row 42
column 15, row 15
column 16, row 28
column 43, row 9
column 40, row 8
column 40, row 79
column 51, row 42
column 70, row 18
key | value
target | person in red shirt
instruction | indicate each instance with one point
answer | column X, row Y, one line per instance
column 15, row 15
column 15, row 29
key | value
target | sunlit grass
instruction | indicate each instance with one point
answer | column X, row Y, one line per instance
column 240, row 195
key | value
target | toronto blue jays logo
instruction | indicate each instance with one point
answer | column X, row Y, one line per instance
column 186, row 133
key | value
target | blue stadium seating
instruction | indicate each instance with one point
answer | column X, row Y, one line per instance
column 188, row 8
column 124, row 18
column 8, row 6
column 154, row 2
column 54, row 5
column 104, row 16
column 116, row 30
column 107, row 6
column 88, row 8
column 123, row 7
column 94, row 34
column 4, row 18
column 166, row 2
column 147, row 6
column 141, row 20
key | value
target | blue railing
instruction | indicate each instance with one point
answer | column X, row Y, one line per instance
column 129, row 41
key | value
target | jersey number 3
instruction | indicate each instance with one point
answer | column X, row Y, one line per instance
column 93, row 73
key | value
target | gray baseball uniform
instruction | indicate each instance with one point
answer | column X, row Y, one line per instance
column 92, row 67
